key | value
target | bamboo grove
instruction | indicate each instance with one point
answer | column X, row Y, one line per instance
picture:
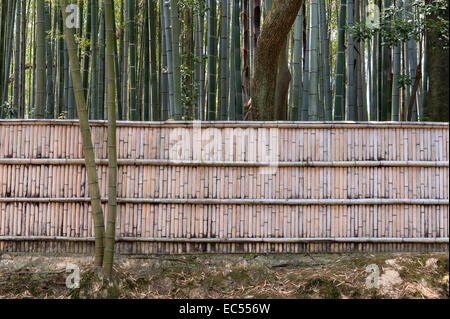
column 351, row 60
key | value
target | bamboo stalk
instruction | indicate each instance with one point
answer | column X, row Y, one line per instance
column 87, row 141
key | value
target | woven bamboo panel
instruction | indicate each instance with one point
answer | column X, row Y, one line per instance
column 226, row 187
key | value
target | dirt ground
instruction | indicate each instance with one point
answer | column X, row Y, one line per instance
column 405, row 275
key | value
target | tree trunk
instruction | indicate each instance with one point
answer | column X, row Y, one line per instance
column 273, row 35
column 283, row 80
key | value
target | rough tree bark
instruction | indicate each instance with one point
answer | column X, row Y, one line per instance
column 274, row 32
column 282, row 87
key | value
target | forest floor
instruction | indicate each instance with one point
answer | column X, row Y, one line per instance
column 402, row 275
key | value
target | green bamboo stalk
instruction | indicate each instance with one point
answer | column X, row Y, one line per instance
column 175, row 28
column 17, row 59
column 313, row 114
column 87, row 48
column 164, row 68
column 325, row 62
column 358, row 67
column 8, row 48
column 236, row 56
column 124, row 64
column 94, row 114
column 297, row 86
column 132, row 47
column 146, row 66
column 424, row 113
column 363, row 65
column 188, row 49
column 339, row 100
column 305, row 106
column 49, row 105
column 61, row 69
column 351, row 91
column 40, row 82
column 117, row 68
column 23, row 31
column 245, row 55
column 395, row 83
column 101, row 66
column 170, row 66
column 112, row 151
column 211, row 48
column 412, row 65
column 384, row 79
column 154, row 64
column 224, row 60
column 88, row 148
column 199, row 73
column 3, row 32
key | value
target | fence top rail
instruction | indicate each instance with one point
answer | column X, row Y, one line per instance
column 236, row 124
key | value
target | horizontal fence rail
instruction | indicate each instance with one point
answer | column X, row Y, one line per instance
column 228, row 187
column 152, row 162
column 239, row 201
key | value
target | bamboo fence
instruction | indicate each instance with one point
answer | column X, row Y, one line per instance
column 230, row 187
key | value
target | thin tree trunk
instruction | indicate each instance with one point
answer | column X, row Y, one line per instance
column 17, row 60
column 325, row 61
column 88, row 148
column 245, row 55
column 339, row 100
column 188, row 55
column 224, row 60
column 39, row 102
column 313, row 114
column 297, row 86
column 101, row 66
column 175, row 28
column 50, row 104
column 94, row 114
column 211, row 48
column 112, row 152
column 87, row 53
column 8, row 50
column 170, row 66
column 132, row 47
column 146, row 66
column 154, row 66
column 236, row 60
column 165, row 98
column 350, row 66
column 305, row 105
column 61, row 68
column 395, row 84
